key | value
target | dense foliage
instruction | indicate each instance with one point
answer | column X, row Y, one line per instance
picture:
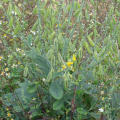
column 60, row 60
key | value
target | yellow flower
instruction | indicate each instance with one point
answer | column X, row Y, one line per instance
column 59, row 25
column 18, row 62
column 66, row 112
column 63, row 33
column 74, row 59
column 117, row 62
column 103, row 98
column 2, row 73
column 4, row 35
column 69, row 63
column 63, row 66
column 9, row 114
column 7, row 109
column 6, row 69
column 11, row 39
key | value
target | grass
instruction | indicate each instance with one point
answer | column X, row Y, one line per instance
column 59, row 60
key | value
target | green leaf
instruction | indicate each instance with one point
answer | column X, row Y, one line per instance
column 95, row 115
column 56, row 91
column 29, row 39
column 31, row 88
column 58, row 104
column 43, row 63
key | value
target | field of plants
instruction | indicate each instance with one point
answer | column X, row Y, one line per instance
column 59, row 60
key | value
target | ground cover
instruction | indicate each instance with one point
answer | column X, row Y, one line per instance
column 59, row 60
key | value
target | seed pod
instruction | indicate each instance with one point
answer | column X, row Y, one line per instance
column 87, row 47
column 91, row 42
column 114, row 21
column 42, row 11
column 78, row 5
column 10, row 59
column 111, row 50
column 86, row 15
column 10, row 22
column 39, row 45
column 25, row 71
column 60, row 58
column 100, row 69
column 90, row 34
column 110, row 55
column 92, row 2
column 55, row 2
column 88, row 7
column 68, row 8
column 77, row 12
column 115, row 48
column 35, row 25
column 51, row 53
column 37, row 50
column 49, row 77
column 95, row 32
column 36, row 39
column 15, row 31
column 80, row 52
column 97, row 48
column 102, row 52
column 96, row 56
column 53, row 61
column 8, row 30
column 35, row 10
column 53, row 21
column 56, row 45
column 116, row 12
column 55, row 13
column 18, row 25
column 9, row 10
column 47, row 13
column 63, row 25
column 17, row 11
column 52, row 35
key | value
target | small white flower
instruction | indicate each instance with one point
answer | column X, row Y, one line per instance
column 8, row 74
column 17, row 49
column 6, row 69
column 34, row 98
column 101, row 110
column 1, row 58
column 30, row 116
column 33, row 32
column 102, row 92
column 0, row 22
column 102, row 83
column 91, row 14
column 19, row 4
column 43, row 79
column 14, row 12
column 88, row 83
column 8, row 55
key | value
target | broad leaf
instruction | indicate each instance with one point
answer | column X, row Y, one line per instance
column 31, row 88
column 58, row 104
column 56, row 91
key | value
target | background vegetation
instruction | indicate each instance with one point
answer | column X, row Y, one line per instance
column 59, row 60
